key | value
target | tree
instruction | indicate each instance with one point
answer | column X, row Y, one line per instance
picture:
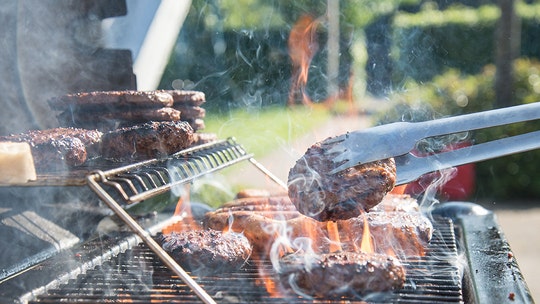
column 506, row 50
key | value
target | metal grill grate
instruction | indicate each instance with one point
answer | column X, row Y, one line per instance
column 144, row 180
column 138, row 276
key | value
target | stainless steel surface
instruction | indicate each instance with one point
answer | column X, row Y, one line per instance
column 395, row 139
column 410, row 167
column 143, row 181
column 433, row 278
column 149, row 241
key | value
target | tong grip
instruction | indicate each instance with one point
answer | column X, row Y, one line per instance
column 480, row 120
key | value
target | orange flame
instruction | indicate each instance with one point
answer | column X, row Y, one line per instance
column 302, row 47
column 183, row 211
column 333, row 235
column 367, row 244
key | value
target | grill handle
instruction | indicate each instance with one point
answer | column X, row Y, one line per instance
column 494, row 274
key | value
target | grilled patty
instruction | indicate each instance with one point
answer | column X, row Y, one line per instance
column 146, row 141
column 207, row 250
column 406, row 233
column 54, row 149
column 324, row 196
column 340, row 274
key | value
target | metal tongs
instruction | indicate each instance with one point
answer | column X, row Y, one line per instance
column 398, row 139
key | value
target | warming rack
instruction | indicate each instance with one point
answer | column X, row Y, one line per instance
column 122, row 187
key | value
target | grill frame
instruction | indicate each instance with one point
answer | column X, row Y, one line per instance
column 473, row 223
column 115, row 272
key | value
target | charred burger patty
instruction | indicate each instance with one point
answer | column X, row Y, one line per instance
column 207, row 250
column 324, row 196
column 341, row 274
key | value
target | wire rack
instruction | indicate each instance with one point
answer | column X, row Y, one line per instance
column 124, row 186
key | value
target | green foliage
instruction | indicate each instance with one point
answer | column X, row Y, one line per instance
column 251, row 14
column 454, row 93
column 430, row 41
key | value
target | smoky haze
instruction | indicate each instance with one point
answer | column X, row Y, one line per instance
column 51, row 48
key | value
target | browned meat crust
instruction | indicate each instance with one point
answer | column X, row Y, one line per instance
column 324, row 196
column 200, row 138
column 397, row 202
column 146, row 141
column 192, row 98
column 404, row 233
column 58, row 148
column 197, row 123
column 112, row 99
column 191, row 112
column 82, row 117
column 108, row 110
column 341, row 274
column 251, row 193
column 207, row 250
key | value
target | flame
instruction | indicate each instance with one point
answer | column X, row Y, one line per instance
column 270, row 284
column 302, row 47
column 183, row 212
column 333, row 235
column 367, row 244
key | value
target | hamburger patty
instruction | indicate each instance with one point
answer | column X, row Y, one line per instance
column 340, row 274
column 54, row 149
column 207, row 250
column 324, row 196
column 405, row 232
column 147, row 140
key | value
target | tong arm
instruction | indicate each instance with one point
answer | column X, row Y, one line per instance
column 410, row 167
column 399, row 138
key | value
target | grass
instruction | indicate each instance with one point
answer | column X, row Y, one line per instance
column 262, row 131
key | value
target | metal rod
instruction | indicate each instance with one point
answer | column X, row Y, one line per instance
column 268, row 173
column 162, row 189
column 147, row 239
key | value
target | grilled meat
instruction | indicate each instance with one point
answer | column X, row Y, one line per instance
column 397, row 202
column 190, row 112
column 250, row 193
column 108, row 110
column 111, row 99
column 340, row 274
column 263, row 228
column 182, row 97
column 109, row 119
column 207, row 251
column 261, row 219
column 404, row 233
column 146, row 141
column 54, row 149
column 324, row 196
column 204, row 138
column 196, row 123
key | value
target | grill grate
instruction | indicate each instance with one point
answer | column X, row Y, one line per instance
column 138, row 276
column 144, row 180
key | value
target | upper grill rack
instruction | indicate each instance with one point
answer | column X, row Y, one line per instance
column 144, row 180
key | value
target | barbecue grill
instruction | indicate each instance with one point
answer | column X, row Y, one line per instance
column 467, row 261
